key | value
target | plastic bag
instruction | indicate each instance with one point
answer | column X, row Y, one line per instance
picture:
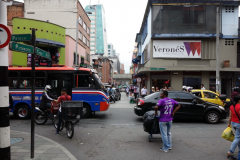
column 155, row 127
column 148, row 120
column 228, row 134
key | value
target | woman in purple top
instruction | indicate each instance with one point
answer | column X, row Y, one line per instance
column 166, row 106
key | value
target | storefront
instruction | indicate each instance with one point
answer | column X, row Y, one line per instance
column 49, row 37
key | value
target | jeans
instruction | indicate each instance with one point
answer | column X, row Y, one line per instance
column 59, row 121
column 165, row 128
column 236, row 140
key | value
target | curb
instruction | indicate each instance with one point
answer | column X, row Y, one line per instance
column 55, row 143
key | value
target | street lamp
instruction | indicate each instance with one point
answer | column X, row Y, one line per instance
column 77, row 34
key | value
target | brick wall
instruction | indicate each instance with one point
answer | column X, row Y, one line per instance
column 16, row 10
column 106, row 71
column 122, row 71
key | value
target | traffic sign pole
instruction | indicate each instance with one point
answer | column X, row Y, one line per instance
column 33, row 93
column 4, row 90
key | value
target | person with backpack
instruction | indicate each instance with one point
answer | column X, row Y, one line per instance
column 234, row 121
column 63, row 97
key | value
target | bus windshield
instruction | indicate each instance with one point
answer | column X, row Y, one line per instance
column 99, row 82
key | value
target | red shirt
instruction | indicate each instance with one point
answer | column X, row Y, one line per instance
column 64, row 98
column 234, row 116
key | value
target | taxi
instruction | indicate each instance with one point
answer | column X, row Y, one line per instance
column 208, row 96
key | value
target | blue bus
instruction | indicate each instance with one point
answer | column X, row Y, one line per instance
column 83, row 84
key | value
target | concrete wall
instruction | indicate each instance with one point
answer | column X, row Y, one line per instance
column 177, row 81
column 70, row 49
column 15, row 10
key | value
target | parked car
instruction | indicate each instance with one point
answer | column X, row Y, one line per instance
column 192, row 107
column 118, row 94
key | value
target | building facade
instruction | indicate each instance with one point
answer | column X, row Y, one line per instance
column 98, row 41
column 69, row 14
column 14, row 9
column 110, row 50
column 177, row 45
column 122, row 71
column 116, row 64
column 49, row 37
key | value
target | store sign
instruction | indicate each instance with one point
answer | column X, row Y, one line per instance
column 176, row 49
column 157, row 69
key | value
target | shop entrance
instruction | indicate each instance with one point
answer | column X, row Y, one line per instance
column 226, row 86
column 194, row 82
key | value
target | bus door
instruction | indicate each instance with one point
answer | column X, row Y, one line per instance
column 60, row 81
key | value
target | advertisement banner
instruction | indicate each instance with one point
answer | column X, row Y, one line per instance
column 176, row 49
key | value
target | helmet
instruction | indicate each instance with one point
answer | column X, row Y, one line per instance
column 184, row 87
column 189, row 89
column 48, row 87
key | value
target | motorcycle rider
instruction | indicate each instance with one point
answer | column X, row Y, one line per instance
column 47, row 97
column 111, row 92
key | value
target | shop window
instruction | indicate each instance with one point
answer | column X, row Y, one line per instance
column 84, row 81
column 161, row 83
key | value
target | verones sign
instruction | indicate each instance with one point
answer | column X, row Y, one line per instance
column 176, row 49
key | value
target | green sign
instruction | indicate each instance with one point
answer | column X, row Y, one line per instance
column 43, row 53
column 13, row 46
column 83, row 65
column 21, row 37
column 157, row 69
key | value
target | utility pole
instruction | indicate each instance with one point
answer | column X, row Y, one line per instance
column 217, row 52
column 4, row 96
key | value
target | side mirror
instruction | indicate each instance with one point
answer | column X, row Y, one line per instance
column 216, row 97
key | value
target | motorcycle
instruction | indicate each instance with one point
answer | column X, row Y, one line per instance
column 112, row 98
column 42, row 116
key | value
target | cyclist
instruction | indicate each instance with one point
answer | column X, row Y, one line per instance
column 63, row 97
column 47, row 97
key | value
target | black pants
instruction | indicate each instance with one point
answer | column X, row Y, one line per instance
column 59, row 121
column 136, row 95
column 143, row 96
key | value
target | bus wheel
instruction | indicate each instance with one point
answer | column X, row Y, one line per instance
column 86, row 111
column 22, row 112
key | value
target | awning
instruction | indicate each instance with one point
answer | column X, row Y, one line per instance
column 49, row 42
column 136, row 60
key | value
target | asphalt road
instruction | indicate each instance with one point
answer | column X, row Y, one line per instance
column 117, row 134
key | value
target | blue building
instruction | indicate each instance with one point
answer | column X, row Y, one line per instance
column 177, row 44
column 98, row 39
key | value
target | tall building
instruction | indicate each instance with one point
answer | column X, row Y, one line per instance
column 66, row 14
column 110, row 50
column 98, row 41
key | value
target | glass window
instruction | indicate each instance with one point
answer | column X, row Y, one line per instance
column 88, row 43
column 25, row 74
column 209, row 95
column 185, row 97
column 84, row 39
column 25, row 83
column 39, row 83
column 13, row 74
column 109, row 46
column 13, row 82
column 88, row 30
column 83, row 81
column 84, row 26
column 198, row 94
column 80, row 20
column 80, row 35
column 172, row 95
column 40, row 74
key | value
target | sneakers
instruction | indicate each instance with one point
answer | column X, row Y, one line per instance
column 57, row 133
column 170, row 149
column 161, row 149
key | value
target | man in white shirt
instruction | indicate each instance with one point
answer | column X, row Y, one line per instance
column 144, row 91
column 202, row 86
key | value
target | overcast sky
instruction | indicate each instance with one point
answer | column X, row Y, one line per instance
column 123, row 21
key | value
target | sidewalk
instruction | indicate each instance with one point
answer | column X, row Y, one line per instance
column 45, row 149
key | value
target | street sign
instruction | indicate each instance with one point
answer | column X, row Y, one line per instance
column 157, row 69
column 139, row 80
column 21, row 47
column 21, row 37
column 43, row 53
column 5, row 36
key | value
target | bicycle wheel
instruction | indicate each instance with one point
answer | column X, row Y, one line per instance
column 70, row 129
column 55, row 123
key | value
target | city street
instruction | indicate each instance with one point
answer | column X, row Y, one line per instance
column 118, row 134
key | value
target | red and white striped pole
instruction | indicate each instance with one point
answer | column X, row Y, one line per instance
column 4, row 90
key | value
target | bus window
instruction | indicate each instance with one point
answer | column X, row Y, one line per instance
column 39, row 83
column 40, row 79
column 84, row 81
column 25, row 83
column 13, row 79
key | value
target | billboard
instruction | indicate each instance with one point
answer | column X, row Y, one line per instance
column 176, row 49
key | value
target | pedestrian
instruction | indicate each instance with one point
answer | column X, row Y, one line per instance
column 157, row 89
column 202, row 86
column 234, row 121
column 167, row 111
column 143, row 91
column 63, row 97
column 165, row 88
column 136, row 90
column 153, row 90
column 10, row 102
column 234, row 93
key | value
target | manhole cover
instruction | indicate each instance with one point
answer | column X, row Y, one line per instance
column 16, row 140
